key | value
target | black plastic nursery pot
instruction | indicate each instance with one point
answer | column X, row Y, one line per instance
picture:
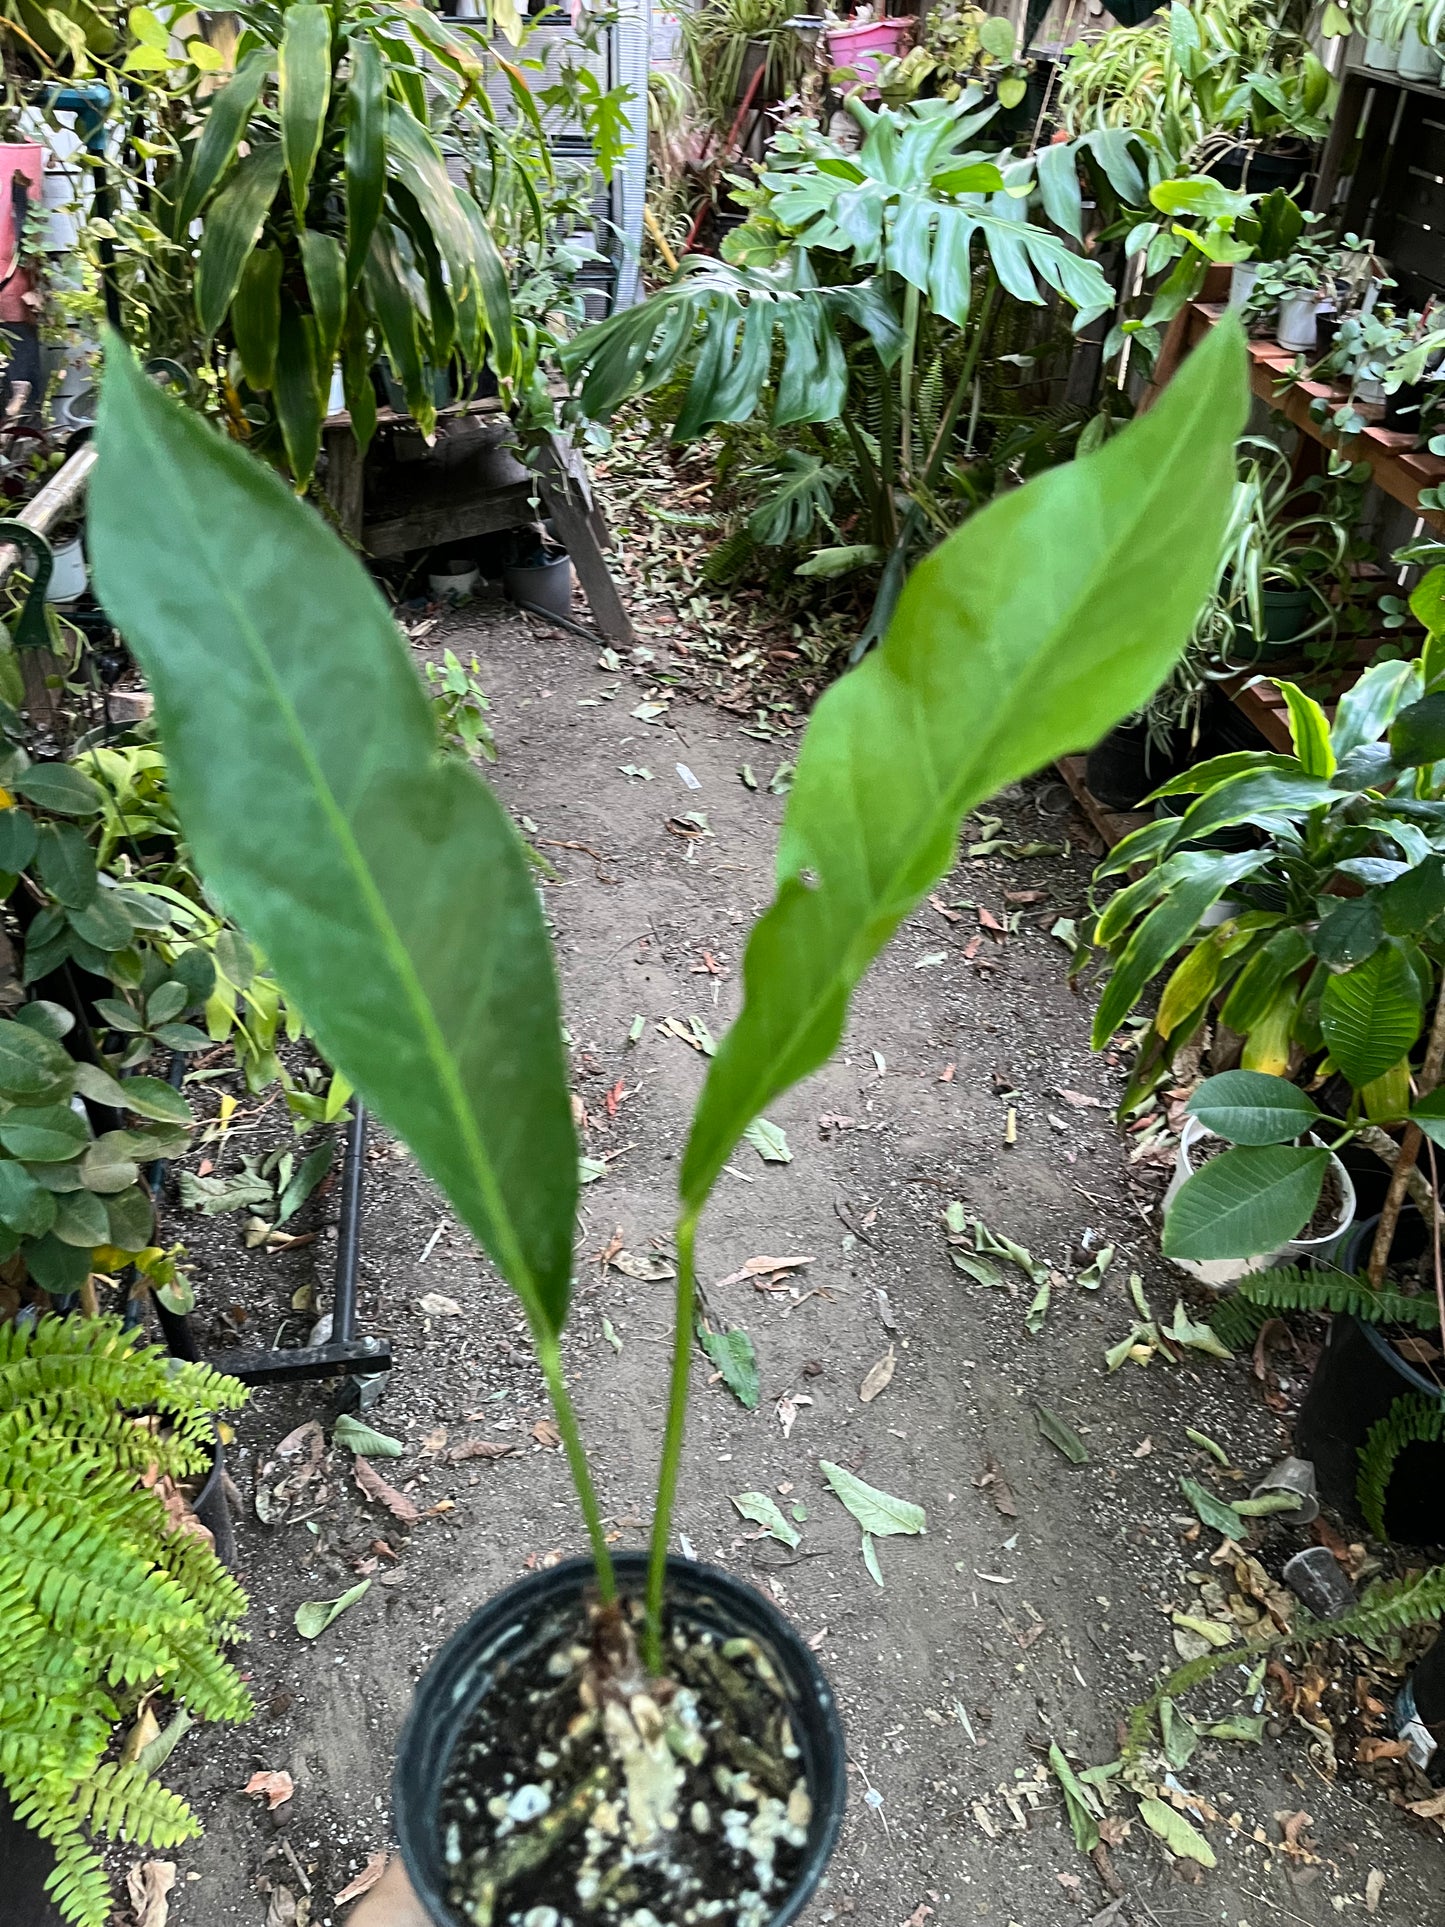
column 544, row 1613
column 1287, row 167
column 1357, row 1379
column 1127, row 765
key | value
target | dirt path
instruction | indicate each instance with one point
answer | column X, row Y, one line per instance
column 1031, row 1610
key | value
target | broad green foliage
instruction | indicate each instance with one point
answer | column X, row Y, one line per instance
column 1338, row 911
column 98, row 1593
column 391, row 894
column 1028, row 633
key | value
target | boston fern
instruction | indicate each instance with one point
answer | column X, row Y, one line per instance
column 101, row 1596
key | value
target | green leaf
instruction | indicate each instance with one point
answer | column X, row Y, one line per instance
column 1245, row 1204
column 304, row 1180
column 1198, row 1337
column 80, row 1220
column 166, row 1001
column 1309, row 728
column 110, row 1164
column 763, row 1511
column 1176, row 1832
column 232, row 228
column 405, row 921
column 56, row 1266
column 131, row 1219
column 45, row 1135
column 733, row 1355
column 1178, row 1733
column 324, row 260
column 365, row 151
column 1371, row 1015
column 256, row 316
column 24, row 1205
column 1215, row 1513
column 305, row 91
column 1409, row 902
column 104, row 922
column 154, row 1098
column 769, row 1141
column 313, row 1616
column 58, row 787
column 352, row 1436
column 1061, row 1435
column 17, row 840
column 1429, row 1114
column 45, row 1019
column 227, row 113
column 33, row 1068
column 1011, row 89
column 877, row 1512
column 992, row 666
column 1417, row 734
column 1079, row 1803
column 842, row 560
column 300, row 396
column 1250, row 1107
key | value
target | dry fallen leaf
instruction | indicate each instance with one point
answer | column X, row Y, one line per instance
column 992, row 1481
column 147, row 1728
column 762, row 1268
column 364, row 1882
column 1374, row 1887
column 436, row 1305
column 479, row 1449
column 877, row 1379
column 1431, row 1809
column 546, row 1434
column 282, row 1911
column 1371, row 1750
column 1080, row 1100
column 148, row 1885
column 434, row 1442
column 276, row 1788
column 376, row 1487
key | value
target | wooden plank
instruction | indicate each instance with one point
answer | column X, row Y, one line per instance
column 434, row 518
column 567, row 495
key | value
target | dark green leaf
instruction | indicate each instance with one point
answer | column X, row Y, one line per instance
column 992, row 666
column 1248, row 1107
column 1417, row 734
column 24, row 1206
column 109, row 1165
column 256, row 316
column 1245, row 1203
column 1061, row 1435
column 130, row 1219
column 732, row 1353
column 17, row 840
column 325, row 265
column 305, row 90
column 80, row 1219
column 365, row 153
column 226, row 115
column 304, row 1180
column 1349, row 930
column 1371, row 1015
column 104, row 922
column 300, row 397
column 166, row 1001
column 405, row 921
column 1415, row 899
column 66, row 864
column 232, row 228
column 47, row 1019
column 33, row 1067
column 1214, row 1513
column 58, row 787
column 55, row 1266
column 43, row 1136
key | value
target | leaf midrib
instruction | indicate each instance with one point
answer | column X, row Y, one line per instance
column 510, row 1256
column 761, row 1084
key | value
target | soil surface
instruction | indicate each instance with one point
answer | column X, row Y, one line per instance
column 1036, row 1606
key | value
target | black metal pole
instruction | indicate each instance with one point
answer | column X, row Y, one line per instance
column 348, row 1230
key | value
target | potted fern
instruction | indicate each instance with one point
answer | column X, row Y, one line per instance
column 104, row 1594
column 620, row 1733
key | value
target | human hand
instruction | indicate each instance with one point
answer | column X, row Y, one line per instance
column 392, row 1902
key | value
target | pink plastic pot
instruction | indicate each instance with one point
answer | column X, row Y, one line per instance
column 865, row 44
column 19, row 161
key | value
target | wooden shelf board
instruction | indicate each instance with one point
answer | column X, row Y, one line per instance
column 1397, row 466
column 1112, row 825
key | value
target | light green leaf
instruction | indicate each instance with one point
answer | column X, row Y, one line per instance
column 305, row 90
column 870, row 1559
column 733, row 1355
column 991, row 667
column 1251, row 1107
column 841, row 560
column 1309, row 728
column 405, row 922
column 1371, row 1015
column 44, row 1134
column 1207, row 1444
column 763, row 1511
column 1245, row 1203
column 1038, row 1311
column 1061, row 1435
column 352, row 1436
column 1214, row 1513
column 769, row 1141
column 1080, row 1803
column 58, row 787
column 1196, row 1336
column 1178, row 1733
column 878, row 1513
column 1176, row 1832
column 1092, row 1276
column 313, row 1616
column 1248, row 1728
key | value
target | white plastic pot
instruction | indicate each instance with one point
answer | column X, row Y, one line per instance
column 1381, row 55
column 1242, row 277
column 68, row 577
column 1220, row 1274
column 1295, row 329
column 454, row 581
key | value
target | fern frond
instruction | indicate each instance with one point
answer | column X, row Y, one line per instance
column 1411, row 1420
column 1288, row 1288
column 77, row 1883
column 1236, row 1322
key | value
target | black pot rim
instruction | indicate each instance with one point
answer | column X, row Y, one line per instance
column 1357, row 1242
column 442, row 1704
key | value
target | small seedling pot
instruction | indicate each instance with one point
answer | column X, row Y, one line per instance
column 1418, row 59
column 1286, row 615
column 1316, row 1577
column 543, row 585
column 500, row 1634
column 1357, row 1378
column 455, row 580
column 1297, row 1478
column 1222, row 1274
column 1296, row 328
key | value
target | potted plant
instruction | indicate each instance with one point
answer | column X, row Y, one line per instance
column 1292, row 289
column 1382, row 45
column 108, row 1593
column 406, row 919
column 1405, row 30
